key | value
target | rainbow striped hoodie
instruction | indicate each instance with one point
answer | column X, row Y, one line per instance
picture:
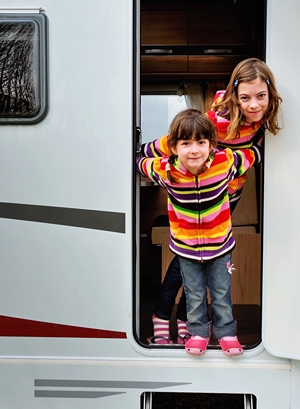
column 198, row 206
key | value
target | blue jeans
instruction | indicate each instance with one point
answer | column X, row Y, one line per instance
column 196, row 278
column 168, row 292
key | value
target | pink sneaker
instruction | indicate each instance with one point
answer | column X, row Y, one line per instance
column 196, row 345
column 230, row 346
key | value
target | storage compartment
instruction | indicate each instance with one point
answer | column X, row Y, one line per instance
column 217, row 64
column 227, row 26
column 164, row 63
column 202, row 38
column 165, row 27
column 174, row 400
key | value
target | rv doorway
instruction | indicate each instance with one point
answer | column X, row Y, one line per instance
column 177, row 72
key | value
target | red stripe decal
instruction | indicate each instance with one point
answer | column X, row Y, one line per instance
column 18, row 327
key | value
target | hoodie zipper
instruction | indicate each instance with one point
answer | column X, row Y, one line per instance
column 199, row 217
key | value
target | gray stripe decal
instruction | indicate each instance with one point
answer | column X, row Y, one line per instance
column 74, row 394
column 88, row 219
column 70, row 383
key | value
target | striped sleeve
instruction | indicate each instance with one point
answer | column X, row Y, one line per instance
column 156, row 149
column 144, row 166
column 153, row 168
column 244, row 159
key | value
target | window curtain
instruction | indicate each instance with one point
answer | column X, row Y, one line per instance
column 200, row 95
column 194, row 96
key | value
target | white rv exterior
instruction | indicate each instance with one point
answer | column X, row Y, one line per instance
column 67, row 240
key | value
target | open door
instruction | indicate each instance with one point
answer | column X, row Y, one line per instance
column 281, row 300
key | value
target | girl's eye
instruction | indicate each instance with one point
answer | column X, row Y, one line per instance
column 244, row 98
column 262, row 95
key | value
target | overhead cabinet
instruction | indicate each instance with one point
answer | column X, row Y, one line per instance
column 164, row 39
column 164, row 27
column 198, row 41
column 227, row 27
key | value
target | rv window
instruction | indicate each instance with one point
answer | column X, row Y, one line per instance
column 22, row 68
column 157, row 112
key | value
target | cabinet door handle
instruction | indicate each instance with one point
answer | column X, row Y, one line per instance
column 158, row 51
column 218, row 51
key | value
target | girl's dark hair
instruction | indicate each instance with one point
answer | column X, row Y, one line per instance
column 190, row 124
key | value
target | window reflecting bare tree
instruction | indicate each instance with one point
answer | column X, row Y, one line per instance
column 17, row 85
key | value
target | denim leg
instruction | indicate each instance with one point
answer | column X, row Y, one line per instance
column 194, row 281
column 168, row 291
column 219, row 283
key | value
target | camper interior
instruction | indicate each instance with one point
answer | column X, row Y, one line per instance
column 188, row 51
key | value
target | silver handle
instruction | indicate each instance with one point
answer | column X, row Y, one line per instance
column 158, row 51
column 218, row 51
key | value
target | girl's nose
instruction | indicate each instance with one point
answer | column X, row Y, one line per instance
column 194, row 147
column 253, row 103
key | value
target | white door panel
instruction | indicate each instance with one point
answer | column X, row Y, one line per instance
column 281, row 270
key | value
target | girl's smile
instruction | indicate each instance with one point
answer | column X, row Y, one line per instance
column 254, row 99
column 193, row 154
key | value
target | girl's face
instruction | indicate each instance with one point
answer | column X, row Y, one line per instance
column 254, row 99
column 192, row 153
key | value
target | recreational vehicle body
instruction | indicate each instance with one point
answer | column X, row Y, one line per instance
column 76, row 220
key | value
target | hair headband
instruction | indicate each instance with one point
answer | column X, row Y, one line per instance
column 236, row 82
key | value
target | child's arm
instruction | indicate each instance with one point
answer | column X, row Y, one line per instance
column 220, row 123
column 153, row 168
column 156, row 149
column 218, row 97
column 142, row 168
column 244, row 159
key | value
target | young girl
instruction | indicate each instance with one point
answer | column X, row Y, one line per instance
column 196, row 177
column 249, row 106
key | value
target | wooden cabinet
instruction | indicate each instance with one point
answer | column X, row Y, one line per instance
column 195, row 40
column 165, row 27
column 216, row 64
column 164, row 64
column 164, row 39
column 226, row 27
